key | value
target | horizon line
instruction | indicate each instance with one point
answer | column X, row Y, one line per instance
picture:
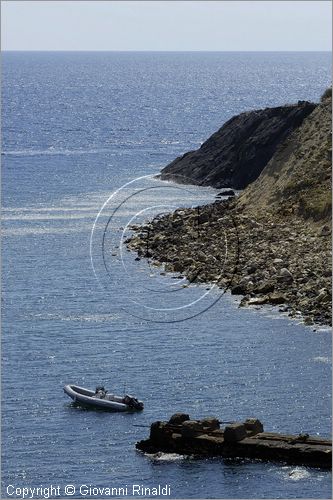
column 159, row 51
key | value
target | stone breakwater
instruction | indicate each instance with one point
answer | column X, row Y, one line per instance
column 264, row 258
column 205, row 438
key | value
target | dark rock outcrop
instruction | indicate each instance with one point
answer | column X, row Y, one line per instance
column 237, row 153
column 226, row 192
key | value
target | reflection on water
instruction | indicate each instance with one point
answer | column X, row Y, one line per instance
column 60, row 326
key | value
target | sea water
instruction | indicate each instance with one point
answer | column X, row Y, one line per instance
column 82, row 136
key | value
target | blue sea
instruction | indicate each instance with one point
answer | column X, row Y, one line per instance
column 82, row 136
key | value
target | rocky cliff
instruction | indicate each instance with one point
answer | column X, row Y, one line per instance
column 237, row 153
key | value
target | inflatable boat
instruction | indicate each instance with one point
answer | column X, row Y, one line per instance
column 102, row 399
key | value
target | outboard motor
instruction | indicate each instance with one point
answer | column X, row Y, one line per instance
column 133, row 402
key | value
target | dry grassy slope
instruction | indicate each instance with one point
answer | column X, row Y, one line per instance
column 297, row 179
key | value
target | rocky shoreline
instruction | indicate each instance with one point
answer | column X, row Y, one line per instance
column 272, row 243
column 265, row 258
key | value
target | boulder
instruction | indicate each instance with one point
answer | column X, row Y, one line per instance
column 157, row 432
column 245, row 281
column 234, row 432
column 203, row 218
column 267, row 287
column 253, row 426
column 178, row 267
column 210, row 423
column 190, row 428
column 285, row 276
column 245, row 301
column 322, row 296
column 325, row 230
column 238, row 289
column 178, row 418
column 251, row 269
column 277, row 298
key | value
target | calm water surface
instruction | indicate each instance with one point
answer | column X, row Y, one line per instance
column 77, row 126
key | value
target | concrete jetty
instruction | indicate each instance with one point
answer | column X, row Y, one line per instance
column 247, row 439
